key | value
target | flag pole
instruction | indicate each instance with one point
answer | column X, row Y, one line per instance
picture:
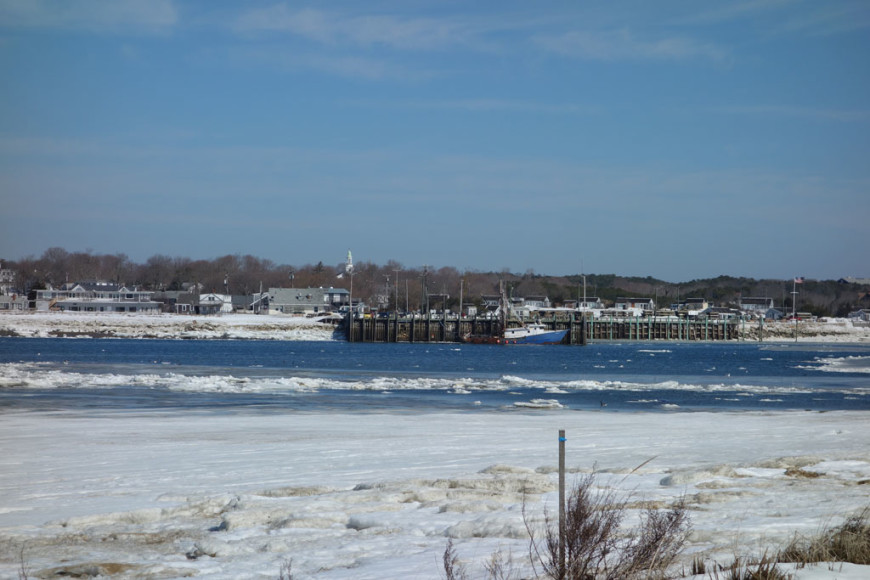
column 794, row 293
column 793, row 304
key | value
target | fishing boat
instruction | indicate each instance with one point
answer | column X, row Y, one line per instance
column 533, row 334
column 528, row 334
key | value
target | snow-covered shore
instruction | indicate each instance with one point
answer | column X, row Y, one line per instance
column 261, row 327
column 167, row 326
column 824, row 330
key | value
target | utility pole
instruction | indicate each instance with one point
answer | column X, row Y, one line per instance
column 424, row 298
column 387, row 292
column 794, row 294
column 397, row 270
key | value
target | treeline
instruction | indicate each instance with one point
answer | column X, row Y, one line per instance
column 374, row 283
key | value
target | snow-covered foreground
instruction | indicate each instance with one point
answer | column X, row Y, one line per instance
column 167, row 495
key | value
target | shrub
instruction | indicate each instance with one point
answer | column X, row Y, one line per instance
column 595, row 544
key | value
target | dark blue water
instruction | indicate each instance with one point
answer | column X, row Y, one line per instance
column 263, row 376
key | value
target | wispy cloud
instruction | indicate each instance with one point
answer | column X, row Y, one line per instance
column 828, row 19
column 347, row 64
column 623, row 44
column 108, row 16
column 385, row 30
column 714, row 13
column 499, row 105
column 805, row 17
column 802, row 112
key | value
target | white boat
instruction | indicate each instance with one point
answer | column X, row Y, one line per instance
column 534, row 334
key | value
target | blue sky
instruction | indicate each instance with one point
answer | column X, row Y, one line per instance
column 675, row 139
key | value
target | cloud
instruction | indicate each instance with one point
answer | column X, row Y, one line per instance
column 483, row 105
column 622, row 44
column 360, row 31
column 801, row 112
column 348, row 65
column 829, row 19
column 729, row 11
column 109, row 16
column 805, row 17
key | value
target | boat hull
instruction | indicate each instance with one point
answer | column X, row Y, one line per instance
column 551, row 337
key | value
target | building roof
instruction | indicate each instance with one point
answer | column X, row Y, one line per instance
column 756, row 300
column 93, row 286
column 303, row 296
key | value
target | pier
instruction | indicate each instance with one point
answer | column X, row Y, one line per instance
column 582, row 330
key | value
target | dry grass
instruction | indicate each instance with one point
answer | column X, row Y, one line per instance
column 453, row 568
column 849, row 542
column 286, row 571
column 762, row 569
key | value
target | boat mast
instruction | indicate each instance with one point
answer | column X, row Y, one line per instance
column 503, row 310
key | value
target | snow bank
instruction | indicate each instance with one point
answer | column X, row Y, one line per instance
column 366, row 496
column 168, row 326
column 822, row 330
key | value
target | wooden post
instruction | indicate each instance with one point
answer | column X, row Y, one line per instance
column 571, row 329
column 561, row 503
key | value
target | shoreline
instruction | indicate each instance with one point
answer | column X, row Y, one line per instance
column 101, row 325
column 163, row 326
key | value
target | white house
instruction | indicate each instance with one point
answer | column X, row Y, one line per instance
column 755, row 305
column 536, row 302
column 642, row 304
column 14, row 302
column 220, row 303
column 96, row 296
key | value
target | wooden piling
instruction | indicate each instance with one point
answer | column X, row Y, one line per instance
column 581, row 330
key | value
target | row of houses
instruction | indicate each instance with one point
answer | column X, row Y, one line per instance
column 101, row 296
column 752, row 307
